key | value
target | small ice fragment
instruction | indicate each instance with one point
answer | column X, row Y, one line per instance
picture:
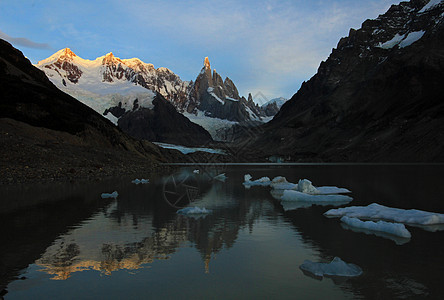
column 326, row 190
column 264, row 181
column 375, row 211
column 112, row 195
column 337, row 267
column 220, row 177
column 196, row 171
column 193, row 211
column 380, row 226
column 281, row 183
column 141, row 181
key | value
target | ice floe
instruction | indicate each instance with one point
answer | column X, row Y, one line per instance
column 292, row 195
column 264, row 181
column 306, row 186
column 293, row 205
column 196, row 171
column 337, row 267
column 221, row 177
column 376, row 211
column 281, row 183
column 193, row 211
column 140, row 181
column 112, row 195
column 397, row 229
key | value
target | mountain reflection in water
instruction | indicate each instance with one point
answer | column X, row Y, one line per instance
column 111, row 248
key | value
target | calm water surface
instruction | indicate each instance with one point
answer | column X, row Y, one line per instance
column 75, row 245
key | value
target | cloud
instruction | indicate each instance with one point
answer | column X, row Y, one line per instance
column 24, row 42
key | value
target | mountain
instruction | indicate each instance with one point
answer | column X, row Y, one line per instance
column 220, row 98
column 273, row 106
column 47, row 133
column 161, row 123
column 378, row 97
column 105, row 82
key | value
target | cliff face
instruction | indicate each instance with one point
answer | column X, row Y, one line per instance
column 163, row 124
column 378, row 97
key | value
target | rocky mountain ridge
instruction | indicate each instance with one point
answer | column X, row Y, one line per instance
column 378, row 97
column 110, row 75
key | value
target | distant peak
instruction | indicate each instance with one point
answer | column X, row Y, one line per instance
column 68, row 52
column 110, row 55
column 207, row 63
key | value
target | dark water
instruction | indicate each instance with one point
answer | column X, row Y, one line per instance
column 79, row 246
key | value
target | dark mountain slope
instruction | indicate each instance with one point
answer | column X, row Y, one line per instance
column 378, row 97
column 163, row 124
column 47, row 133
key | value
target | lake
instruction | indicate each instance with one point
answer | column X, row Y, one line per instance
column 65, row 242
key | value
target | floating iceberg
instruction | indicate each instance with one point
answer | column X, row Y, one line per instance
column 305, row 186
column 140, row 181
column 375, row 211
column 380, row 226
column 193, row 211
column 281, row 183
column 112, row 195
column 327, row 190
column 264, row 181
column 337, row 267
column 291, row 195
column 220, row 177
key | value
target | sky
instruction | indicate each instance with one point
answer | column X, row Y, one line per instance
column 267, row 47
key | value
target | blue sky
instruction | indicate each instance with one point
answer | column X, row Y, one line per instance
column 263, row 46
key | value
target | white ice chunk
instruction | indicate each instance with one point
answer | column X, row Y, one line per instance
column 337, row 267
column 326, row 190
column 381, row 226
column 221, row 177
column 281, row 183
column 263, row 181
column 193, row 211
column 305, row 186
column 411, row 38
column 112, row 195
column 196, row 171
column 291, row 195
column 375, row 211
